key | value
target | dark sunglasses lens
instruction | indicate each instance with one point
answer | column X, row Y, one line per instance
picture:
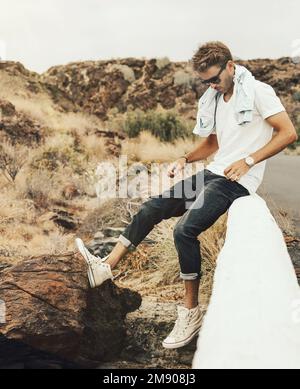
column 216, row 79
column 212, row 81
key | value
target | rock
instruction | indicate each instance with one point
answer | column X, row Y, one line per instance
column 153, row 87
column 167, row 98
column 17, row 355
column 91, row 87
column 102, row 246
column 70, row 191
column 7, row 108
column 17, row 127
column 50, row 308
column 64, row 219
column 146, row 329
column 28, row 81
column 99, row 235
column 3, row 264
column 58, row 217
column 113, row 231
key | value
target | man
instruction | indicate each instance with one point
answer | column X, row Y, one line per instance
column 237, row 170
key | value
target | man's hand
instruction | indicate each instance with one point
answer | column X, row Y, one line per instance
column 176, row 167
column 236, row 170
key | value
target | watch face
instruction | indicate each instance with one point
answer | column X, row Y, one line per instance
column 249, row 161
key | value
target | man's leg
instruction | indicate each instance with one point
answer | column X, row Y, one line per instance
column 171, row 202
column 160, row 207
column 117, row 253
column 219, row 193
column 186, row 232
column 151, row 212
column 191, row 293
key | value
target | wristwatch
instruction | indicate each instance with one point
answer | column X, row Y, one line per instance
column 249, row 161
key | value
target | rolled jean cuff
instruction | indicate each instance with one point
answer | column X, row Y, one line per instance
column 126, row 242
column 189, row 276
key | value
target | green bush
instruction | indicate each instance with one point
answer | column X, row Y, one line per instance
column 296, row 96
column 165, row 126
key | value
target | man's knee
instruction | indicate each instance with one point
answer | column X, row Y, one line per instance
column 182, row 231
column 186, row 230
column 151, row 211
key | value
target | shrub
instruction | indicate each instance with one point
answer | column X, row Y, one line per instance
column 12, row 159
column 53, row 158
column 296, row 96
column 38, row 186
column 165, row 126
column 162, row 62
column 183, row 78
column 127, row 72
column 60, row 151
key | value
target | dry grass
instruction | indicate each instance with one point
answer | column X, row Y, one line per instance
column 147, row 148
column 280, row 215
column 27, row 240
column 39, row 185
column 94, row 147
column 14, row 209
column 53, row 243
column 155, row 270
column 42, row 109
column 109, row 213
column 26, row 230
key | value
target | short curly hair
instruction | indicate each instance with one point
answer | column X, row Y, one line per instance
column 210, row 54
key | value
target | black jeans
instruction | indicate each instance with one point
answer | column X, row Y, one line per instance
column 199, row 207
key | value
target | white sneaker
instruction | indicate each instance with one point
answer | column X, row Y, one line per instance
column 98, row 271
column 187, row 325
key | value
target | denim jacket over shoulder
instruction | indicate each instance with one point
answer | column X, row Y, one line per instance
column 244, row 103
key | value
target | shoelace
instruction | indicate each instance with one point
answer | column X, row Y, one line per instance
column 179, row 328
column 93, row 259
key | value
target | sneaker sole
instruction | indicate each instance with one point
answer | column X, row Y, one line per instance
column 91, row 278
column 182, row 343
column 81, row 247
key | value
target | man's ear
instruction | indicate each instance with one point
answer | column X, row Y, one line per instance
column 231, row 64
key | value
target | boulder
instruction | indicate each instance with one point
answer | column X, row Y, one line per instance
column 50, row 307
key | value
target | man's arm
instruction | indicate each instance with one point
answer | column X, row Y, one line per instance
column 207, row 147
column 285, row 135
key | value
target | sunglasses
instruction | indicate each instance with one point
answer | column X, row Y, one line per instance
column 215, row 79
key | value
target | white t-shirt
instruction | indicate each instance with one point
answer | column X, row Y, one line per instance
column 238, row 141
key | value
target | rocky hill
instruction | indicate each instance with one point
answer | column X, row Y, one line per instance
column 116, row 86
column 131, row 83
